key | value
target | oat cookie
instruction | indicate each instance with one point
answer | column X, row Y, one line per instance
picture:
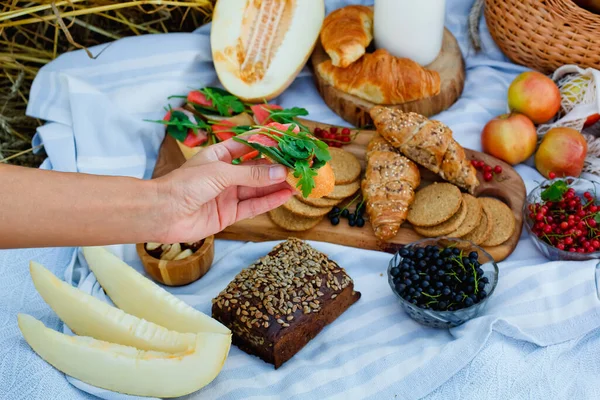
column 445, row 227
column 483, row 230
column 471, row 220
column 434, row 204
column 341, row 192
column 297, row 207
column 321, row 202
column 503, row 221
column 288, row 221
column 346, row 166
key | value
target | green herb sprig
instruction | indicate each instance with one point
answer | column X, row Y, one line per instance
column 295, row 151
column 555, row 191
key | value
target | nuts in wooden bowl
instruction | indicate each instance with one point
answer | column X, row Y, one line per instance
column 177, row 264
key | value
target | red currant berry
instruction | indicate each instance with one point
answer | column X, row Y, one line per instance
column 569, row 241
column 581, row 250
column 345, row 139
column 593, row 208
column 592, row 223
column 498, row 169
column 551, row 175
column 487, row 168
column 488, row 176
column 581, row 213
column 475, row 164
column 564, row 225
column 333, row 130
column 547, row 229
column 595, row 243
column 588, row 195
column 560, row 246
column 346, row 132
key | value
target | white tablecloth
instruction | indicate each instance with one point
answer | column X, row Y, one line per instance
column 538, row 337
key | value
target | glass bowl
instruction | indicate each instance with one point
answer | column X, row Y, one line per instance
column 447, row 319
column 550, row 252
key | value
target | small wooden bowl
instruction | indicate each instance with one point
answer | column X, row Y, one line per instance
column 179, row 272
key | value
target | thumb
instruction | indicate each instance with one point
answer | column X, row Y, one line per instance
column 253, row 175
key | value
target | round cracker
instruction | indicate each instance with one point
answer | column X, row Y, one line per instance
column 346, row 166
column 434, row 204
column 471, row 220
column 483, row 230
column 297, row 207
column 290, row 222
column 341, row 192
column 322, row 202
column 502, row 219
column 445, row 227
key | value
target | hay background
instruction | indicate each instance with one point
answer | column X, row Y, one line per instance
column 33, row 33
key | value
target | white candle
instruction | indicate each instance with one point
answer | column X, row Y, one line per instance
column 410, row 28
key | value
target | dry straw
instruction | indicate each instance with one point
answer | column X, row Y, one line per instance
column 33, row 33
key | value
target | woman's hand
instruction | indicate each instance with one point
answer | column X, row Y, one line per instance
column 208, row 193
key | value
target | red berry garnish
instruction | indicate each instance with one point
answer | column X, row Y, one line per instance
column 498, row 169
column 487, row 168
column 488, row 176
column 346, row 132
column 333, row 130
column 474, row 163
column 345, row 139
column 551, row 175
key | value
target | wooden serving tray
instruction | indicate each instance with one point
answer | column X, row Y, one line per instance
column 509, row 189
column 449, row 64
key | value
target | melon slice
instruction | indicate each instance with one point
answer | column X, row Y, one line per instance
column 88, row 316
column 259, row 47
column 137, row 295
column 126, row 369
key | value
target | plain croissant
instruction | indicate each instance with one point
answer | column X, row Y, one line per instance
column 382, row 78
column 388, row 187
column 346, row 33
column 426, row 142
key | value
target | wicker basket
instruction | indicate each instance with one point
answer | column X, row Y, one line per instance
column 545, row 34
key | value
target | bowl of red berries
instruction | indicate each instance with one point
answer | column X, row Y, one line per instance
column 442, row 282
column 562, row 217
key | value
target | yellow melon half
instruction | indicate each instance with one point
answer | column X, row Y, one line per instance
column 137, row 295
column 126, row 369
column 259, row 47
column 88, row 316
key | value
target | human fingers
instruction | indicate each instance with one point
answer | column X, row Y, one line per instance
column 245, row 192
column 259, row 205
column 224, row 175
column 225, row 151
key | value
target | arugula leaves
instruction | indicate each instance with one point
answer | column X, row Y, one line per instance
column 179, row 124
column 302, row 153
column 555, row 191
column 288, row 116
column 224, row 102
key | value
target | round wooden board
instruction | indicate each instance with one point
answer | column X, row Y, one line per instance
column 449, row 64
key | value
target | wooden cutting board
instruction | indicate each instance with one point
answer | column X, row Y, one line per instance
column 509, row 189
column 449, row 64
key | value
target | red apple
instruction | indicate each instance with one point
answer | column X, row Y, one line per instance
column 509, row 137
column 562, row 151
column 591, row 120
column 535, row 95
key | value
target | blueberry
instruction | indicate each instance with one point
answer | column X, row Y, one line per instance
column 418, row 289
column 335, row 221
column 442, row 305
column 456, row 251
column 449, row 266
column 403, row 252
column 360, row 222
column 438, row 292
column 422, row 263
column 469, row 302
column 415, row 277
column 441, row 272
column 431, row 291
column 479, row 271
column 450, row 308
column 446, row 291
column 425, row 284
column 439, row 285
column 395, row 271
column 469, row 288
column 435, row 255
column 408, row 282
column 417, row 295
column 485, row 280
column 482, row 294
column 465, row 261
column 458, row 297
column 480, row 285
column 400, row 287
column 412, row 271
column 405, row 274
column 446, row 252
column 439, row 262
column 473, row 255
column 426, row 278
column 420, row 255
column 471, row 279
column 447, row 278
column 411, row 290
column 432, row 270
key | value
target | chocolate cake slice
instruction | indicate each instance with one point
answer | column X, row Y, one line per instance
column 282, row 301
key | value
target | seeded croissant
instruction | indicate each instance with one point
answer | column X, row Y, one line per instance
column 388, row 187
column 426, row 142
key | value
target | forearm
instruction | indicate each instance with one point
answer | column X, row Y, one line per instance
column 45, row 208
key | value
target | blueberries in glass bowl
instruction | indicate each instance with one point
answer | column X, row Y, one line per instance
column 442, row 282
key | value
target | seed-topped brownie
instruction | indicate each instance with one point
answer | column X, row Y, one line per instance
column 282, row 301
